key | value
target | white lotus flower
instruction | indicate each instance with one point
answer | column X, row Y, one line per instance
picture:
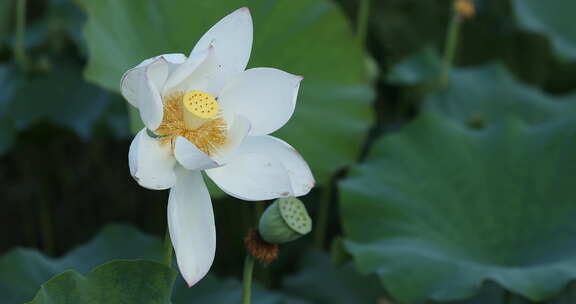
column 206, row 112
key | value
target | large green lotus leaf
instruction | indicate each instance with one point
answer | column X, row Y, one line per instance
column 23, row 270
column 478, row 95
column 439, row 208
column 324, row 283
column 224, row 291
column 490, row 93
column 318, row 281
column 492, row 293
column 118, row 282
column 307, row 37
column 554, row 19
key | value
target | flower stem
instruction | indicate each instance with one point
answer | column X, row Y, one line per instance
column 362, row 21
column 264, row 275
column 19, row 50
column 450, row 47
column 322, row 218
column 167, row 249
column 247, row 279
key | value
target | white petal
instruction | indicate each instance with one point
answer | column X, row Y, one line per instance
column 151, row 164
column 191, row 225
column 142, row 86
column 190, row 157
column 301, row 178
column 266, row 96
column 232, row 38
column 208, row 76
column 239, row 129
column 173, row 58
column 184, row 70
column 252, row 177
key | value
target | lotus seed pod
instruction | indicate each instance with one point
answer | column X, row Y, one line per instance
column 284, row 221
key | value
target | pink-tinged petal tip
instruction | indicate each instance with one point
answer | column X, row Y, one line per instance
column 298, row 79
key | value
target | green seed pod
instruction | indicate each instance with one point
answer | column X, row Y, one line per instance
column 284, row 221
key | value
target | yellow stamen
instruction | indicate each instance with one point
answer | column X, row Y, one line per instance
column 196, row 117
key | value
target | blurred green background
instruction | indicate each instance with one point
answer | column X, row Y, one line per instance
column 440, row 180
